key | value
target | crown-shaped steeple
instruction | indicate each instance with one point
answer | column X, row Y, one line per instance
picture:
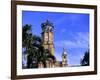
column 47, row 26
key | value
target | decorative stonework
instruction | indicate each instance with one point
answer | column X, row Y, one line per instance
column 47, row 43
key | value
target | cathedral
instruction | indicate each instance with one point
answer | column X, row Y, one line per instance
column 47, row 42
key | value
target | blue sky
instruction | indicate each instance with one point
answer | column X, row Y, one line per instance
column 71, row 31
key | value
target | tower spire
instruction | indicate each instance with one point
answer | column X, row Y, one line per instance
column 64, row 51
column 64, row 58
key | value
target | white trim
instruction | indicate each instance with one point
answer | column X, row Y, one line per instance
column 21, row 71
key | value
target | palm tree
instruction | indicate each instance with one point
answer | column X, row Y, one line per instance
column 85, row 60
column 33, row 48
column 26, row 35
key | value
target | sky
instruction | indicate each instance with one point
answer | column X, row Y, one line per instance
column 71, row 31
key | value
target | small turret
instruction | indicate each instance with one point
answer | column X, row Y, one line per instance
column 64, row 58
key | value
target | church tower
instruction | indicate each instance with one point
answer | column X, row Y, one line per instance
column 64, row 58
column 47, row 36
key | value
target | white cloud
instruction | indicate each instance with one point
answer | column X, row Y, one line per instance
column 63, row 30
column 80, row 40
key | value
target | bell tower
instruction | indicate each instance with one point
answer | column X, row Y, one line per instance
column 64, row 58
column 47, row 36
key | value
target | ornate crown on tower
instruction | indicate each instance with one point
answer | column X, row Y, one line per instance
column 47, row 26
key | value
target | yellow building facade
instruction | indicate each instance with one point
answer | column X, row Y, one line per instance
column 48, row 43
